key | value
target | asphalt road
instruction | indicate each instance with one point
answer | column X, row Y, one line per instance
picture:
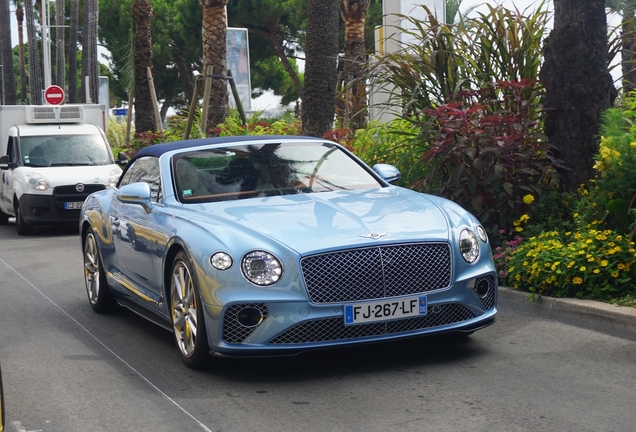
column 65, row 368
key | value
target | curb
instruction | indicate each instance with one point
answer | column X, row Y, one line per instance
column 590, row 313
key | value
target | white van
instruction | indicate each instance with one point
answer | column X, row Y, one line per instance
column 51, row 159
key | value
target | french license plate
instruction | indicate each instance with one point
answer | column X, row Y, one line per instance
column 385, row 310
column 73, row 205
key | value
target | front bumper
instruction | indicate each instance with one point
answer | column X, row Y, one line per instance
column 288, row 328
column 50, row 209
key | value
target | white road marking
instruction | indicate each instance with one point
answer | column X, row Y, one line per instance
column 139, row 374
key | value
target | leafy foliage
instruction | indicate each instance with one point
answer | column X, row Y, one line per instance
column 487, row 154
column 442, row 60
column 589, row 264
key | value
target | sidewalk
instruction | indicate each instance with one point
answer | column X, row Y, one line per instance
column 588, row 313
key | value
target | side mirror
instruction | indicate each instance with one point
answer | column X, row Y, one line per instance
column 4, row 162
column 136, row 193
column 122, row 159
column 388, row 172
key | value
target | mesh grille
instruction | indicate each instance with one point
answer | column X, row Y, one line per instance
column 489, row 300
column 233, row 331
column 333, row 329
column 373, row 273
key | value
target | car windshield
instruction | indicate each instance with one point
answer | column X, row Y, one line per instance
column 247, row 171
column 64, row 150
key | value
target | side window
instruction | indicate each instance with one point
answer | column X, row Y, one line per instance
column 11, row 150
column 145, row 170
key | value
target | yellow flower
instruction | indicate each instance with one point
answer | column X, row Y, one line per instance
column 604, row 263
column 615, row 274
column 528, row 199
column 583, row 268
column 596, row 271
column 620, row 266
column 518, row 229
column 577, row 280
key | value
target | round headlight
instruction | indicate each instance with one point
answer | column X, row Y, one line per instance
column 482, row 234
column 114, row 176
column 221, row 261
column 261, row 268
column 36, row 181
column 468, row 245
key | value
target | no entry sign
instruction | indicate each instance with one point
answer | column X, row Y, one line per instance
column 54, row 95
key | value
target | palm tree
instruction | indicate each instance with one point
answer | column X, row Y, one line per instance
column 35, row 66
column 60, row 58
column 19, row 15
column 144, row 111
column 90, row 66
column 7, row 89
column 215, row 55
column 354, row 14
column 321, row 75
column 72, row 52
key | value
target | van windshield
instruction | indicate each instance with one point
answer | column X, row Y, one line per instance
column 65, row 150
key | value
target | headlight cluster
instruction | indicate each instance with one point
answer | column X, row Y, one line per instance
column 468, row 245
column 113, row 176
column 36, row 181
column 259, row 267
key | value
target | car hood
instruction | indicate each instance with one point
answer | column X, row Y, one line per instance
column 331, row 220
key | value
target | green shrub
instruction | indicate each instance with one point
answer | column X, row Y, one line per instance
column 116, row 131
column 396, row 143
column 593, row 263
column 488, row 154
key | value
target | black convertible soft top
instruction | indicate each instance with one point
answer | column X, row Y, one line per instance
column 159, row 149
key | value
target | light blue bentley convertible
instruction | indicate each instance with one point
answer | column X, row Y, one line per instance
column 268, row 245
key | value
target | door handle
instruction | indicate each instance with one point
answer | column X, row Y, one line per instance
column 115, row 221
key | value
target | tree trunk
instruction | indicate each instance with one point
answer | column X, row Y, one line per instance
column 19, row 16
column 215, row 54
column 90, row 66
column 72, row 52
column 144, row 110
column 35, row 67
column 354, row 14
column 578, row 85
column 280, row 51
column 60, row 52
column 321, row 75
column 7, row 89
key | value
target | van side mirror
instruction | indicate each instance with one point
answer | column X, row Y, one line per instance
column 5, row 164
column 122, row 159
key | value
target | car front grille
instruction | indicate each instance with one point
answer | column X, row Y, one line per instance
column 377, row 272
column 334, row 329
column 69, row 193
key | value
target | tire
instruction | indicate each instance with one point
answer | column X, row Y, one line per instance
column 99, row 294
column 4, row 218
column 20, row 224
column 187, row 315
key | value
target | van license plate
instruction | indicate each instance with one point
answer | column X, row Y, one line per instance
column 73, row 205
column 384, row 310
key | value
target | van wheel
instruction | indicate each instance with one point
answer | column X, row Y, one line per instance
column 4, row 218
column 21, row 226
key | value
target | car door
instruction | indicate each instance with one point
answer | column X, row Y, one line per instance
column 7, row 185
column 137, row 234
